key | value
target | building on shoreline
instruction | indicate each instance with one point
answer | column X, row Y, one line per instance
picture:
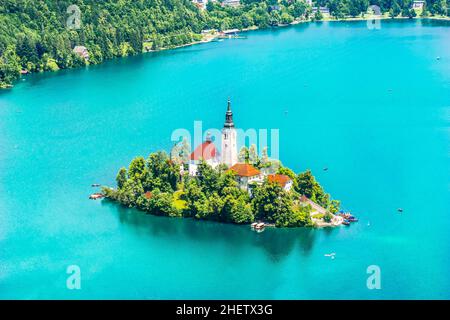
column 418, row 5
column 82, row 51
column 232, row 3
column 201, row 4
column 323, row 10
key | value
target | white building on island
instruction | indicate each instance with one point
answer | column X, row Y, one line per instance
column 282, row 180
column 246, row 174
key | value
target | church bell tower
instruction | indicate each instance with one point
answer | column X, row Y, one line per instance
column 229, row 147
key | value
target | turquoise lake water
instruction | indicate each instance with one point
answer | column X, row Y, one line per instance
column 371, row 105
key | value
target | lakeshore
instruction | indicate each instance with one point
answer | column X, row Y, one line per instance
column 218, row 34
column 210, row 37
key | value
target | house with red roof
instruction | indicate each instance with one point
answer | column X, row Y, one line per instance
column 246, row 174
column 283, row 180
column 207, row 152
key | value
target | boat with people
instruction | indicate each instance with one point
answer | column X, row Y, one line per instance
column 95, row 185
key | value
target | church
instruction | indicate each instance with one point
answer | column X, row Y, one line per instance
column 245, row 173
column 208, row 152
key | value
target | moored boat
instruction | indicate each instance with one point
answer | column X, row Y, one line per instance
column 260, row 226
column 96, row 196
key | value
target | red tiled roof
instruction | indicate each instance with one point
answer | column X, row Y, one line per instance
column 281, row 179
column 244, row 170
column 148, row 195
column 205, row 151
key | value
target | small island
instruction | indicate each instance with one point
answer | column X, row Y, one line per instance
column 232, row 187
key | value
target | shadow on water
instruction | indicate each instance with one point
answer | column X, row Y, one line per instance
column 434, row 23
column 278, row 243
column 116, row 64
column 275, row 243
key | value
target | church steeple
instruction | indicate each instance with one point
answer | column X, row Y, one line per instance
column 229, row 117
column 229, row 139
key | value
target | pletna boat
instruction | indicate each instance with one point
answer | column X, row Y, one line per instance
column 260, row 226
column 96, row 196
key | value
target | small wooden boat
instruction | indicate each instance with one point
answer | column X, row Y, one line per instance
column 400, row 210
column 260, row 226
column 96, row 196
column 95, row 185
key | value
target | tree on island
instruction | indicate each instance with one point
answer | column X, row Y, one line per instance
column 180, row 152
column 253, row 155
column 121, row 178
column 244, row 155
column 307, row 185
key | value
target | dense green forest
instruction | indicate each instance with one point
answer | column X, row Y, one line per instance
column 34, row 34
column 156, row 186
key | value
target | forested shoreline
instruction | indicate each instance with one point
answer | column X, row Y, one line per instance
column 34, row 35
